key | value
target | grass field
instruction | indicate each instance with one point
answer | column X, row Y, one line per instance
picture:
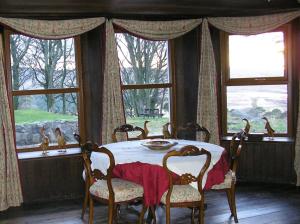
column 154, row 126
column 31, row 116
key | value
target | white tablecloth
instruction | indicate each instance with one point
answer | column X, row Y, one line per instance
column 133, row 151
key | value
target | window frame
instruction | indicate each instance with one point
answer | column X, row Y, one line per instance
column 284, row 80
column 171, row 85
column 11, row 93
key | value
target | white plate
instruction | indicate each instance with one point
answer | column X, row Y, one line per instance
column 159, row 144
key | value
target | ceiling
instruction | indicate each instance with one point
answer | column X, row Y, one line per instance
column 152, row 9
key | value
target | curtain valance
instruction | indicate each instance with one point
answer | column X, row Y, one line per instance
column 52, row 29
column 158, row 30
column 253, row 24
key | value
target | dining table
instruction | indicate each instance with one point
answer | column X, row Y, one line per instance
column 137, row 162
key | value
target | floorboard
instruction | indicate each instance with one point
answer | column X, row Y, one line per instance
column 256, row 204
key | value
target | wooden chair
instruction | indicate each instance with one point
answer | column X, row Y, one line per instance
column 193, row 128
column 183, row 194
column 125, row 128
column 236, row 146
column 87, row 147
column 111, row 191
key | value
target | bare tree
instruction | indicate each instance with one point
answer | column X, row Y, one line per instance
column 45, row 55
column 67, row 74
column 143, row 62
column 44, row 64
column 18, row 47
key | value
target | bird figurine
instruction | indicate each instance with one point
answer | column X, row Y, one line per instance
column 247, row 127
column 166, row 131
column 146, row 128
column 45, row 141
column 270, row 131
column 60, row 140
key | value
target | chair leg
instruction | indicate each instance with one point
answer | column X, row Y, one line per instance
column 193, row 216
column 229, row 199
column 86, row 199
column 201, row 212
column 141, row 219
column 233, row 203
column 91, row 210
column 168, row 214
column 111, row 213
column 152, row 209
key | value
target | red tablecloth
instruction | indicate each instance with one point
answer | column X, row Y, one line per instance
column 154, row 178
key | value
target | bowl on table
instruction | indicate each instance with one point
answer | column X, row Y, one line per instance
column 159, row 144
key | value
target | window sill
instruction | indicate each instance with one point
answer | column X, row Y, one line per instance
column 265, row 139
column 50, row 154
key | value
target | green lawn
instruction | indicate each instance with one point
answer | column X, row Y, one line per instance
column 31, row 116
column 154, row 126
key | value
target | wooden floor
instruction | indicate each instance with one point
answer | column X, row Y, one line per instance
column 256, row 205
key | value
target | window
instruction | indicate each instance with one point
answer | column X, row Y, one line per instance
column 255, row 81
column 146, row 81
column 44, row 85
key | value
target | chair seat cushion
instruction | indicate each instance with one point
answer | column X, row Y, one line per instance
column 182, row 193
column 229, row 177
column 124, row 190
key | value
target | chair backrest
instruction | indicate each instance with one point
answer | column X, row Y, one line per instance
column 187, row 178
column 96, row 174
column 125, row 129
column 194, row 128
column 235, row 149
column 83, row 146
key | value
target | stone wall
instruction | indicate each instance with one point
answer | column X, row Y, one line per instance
column 29, row 134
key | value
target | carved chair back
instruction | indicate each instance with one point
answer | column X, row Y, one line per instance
column 96, row 174
column 187, row 178
column 194, row 128
column 236, row 147
column 125, row 129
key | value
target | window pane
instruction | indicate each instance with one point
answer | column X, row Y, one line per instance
column 255, row 102
column 259, row 55
column 49, row 111
column 142, row 61
column 42, row 64
column 147, row 105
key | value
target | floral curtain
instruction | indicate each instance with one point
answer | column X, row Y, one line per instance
column 297, row 146
column 207, row 108
column 113, row 111
column 248, row 26
column 52, row 29
column 10, row 186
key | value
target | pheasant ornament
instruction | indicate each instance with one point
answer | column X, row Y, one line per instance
column 247, row 127
column 166, row 131
column 270, row 130
column 45, row 141
column 60, row 140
